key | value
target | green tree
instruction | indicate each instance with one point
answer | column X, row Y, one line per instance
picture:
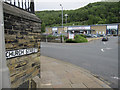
column 43, row 27
column 93, row 13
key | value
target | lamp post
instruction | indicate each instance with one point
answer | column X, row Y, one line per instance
column 62, row 19
column 4, row 71
column 62, row 14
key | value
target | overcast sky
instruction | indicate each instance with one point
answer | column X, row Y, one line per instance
column 41, row 5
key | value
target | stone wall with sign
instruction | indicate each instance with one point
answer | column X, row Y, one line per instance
column 22, row 39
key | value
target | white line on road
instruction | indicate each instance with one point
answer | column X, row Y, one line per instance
column 102, row 50
column 104, row 43
column 41, row 46
column 116, row 78
column 108, row 48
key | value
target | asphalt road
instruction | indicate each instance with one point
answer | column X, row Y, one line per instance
column 100, row 58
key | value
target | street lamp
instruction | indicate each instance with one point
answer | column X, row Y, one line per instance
column 62, row 14
column 62, row 19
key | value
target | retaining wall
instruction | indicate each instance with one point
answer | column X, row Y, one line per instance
column 22, row 39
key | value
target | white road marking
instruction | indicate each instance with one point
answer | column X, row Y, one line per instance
column 104, row 43
column 41, row 46
column 105, row 48
column 108, row 48
column 102, row 50
column 116, row 78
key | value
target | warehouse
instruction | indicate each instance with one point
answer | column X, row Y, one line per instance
column 87, row 29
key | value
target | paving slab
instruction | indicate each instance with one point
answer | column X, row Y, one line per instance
column 59, row 74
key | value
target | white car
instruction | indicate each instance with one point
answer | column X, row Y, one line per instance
column 94, row 35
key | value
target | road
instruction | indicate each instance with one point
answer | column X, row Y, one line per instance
column 100, row 58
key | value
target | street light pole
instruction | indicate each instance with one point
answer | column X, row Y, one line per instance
column 62, row 20
column 4, row 71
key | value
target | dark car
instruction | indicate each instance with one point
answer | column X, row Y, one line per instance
column 105, row 39
column 88, row 35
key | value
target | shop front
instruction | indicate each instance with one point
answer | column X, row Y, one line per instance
column 72, row 31
column 112, row 29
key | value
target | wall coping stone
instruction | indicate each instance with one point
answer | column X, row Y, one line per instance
column 9, row 9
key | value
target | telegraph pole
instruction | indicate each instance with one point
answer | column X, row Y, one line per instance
column 4, row 71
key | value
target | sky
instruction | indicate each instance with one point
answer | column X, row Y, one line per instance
column 41, row 5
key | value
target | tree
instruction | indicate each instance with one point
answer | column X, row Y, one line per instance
column 93, row 13
column 43, row 27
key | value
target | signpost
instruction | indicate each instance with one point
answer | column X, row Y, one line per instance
column 4, row 71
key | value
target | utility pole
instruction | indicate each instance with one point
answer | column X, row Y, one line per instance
column 4, row 71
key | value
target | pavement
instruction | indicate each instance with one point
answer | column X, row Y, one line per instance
column 60, row 74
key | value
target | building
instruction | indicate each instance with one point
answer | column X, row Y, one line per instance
column 85, row 29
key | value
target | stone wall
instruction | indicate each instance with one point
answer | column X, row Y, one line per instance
column 99, row 29
column 22, row 39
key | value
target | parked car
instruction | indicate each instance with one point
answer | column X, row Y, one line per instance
column 88, row 35
column 94, row 36
column 108, row 34
column 98, row 35
column 115, row 35
column 105, row 38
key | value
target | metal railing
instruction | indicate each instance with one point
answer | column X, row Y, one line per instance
column 27, row 5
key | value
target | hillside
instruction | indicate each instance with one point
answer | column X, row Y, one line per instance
column 93, row 13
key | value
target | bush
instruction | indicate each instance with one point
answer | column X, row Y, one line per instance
column 50, row 36
column 65, row 38
column 83, row 35
column 78, row 39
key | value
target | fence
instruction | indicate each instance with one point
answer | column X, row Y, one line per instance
column 27, row 5
column 45, row 38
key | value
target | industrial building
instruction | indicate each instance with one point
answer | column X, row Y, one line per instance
column 85, row 29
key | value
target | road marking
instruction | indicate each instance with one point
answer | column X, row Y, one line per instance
column 108, row 48
column 104, row 43
column 102, row 50
column 105, row 48
column 41, row 46
column 116, row 78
